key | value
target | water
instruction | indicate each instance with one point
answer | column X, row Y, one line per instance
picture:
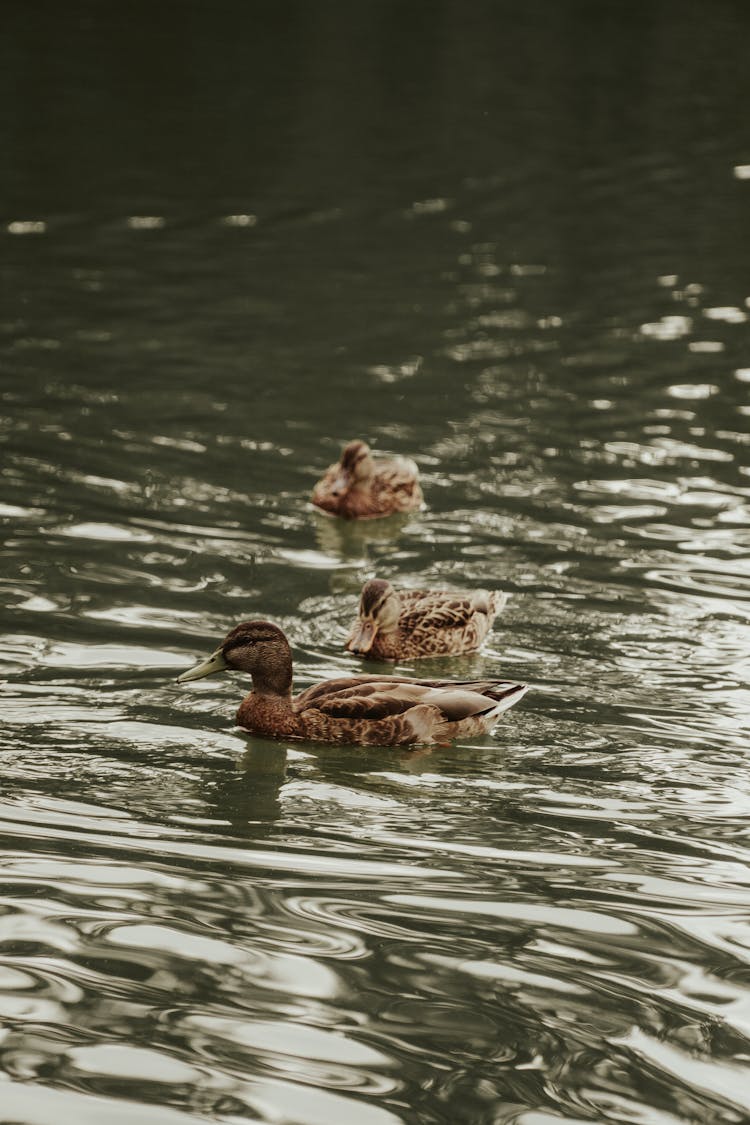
column 509, row 241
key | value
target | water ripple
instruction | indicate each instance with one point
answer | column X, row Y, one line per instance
column 546, row 924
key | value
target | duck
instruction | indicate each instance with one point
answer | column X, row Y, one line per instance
column 361, row 710
column 407, row 624
column 361, row 487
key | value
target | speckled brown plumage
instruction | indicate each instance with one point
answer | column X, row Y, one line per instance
column 362, row 487
column 369, row 710
column 407, row 624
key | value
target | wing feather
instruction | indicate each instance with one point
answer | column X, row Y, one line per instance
column 431, row 613
column 370, row 699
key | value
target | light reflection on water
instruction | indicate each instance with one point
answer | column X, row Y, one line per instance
column 548, row 924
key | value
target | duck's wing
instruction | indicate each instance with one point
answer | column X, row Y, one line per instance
column 496, row 690
column 448, row 609
column 440, row 610
column 345, row 691
column 397, row 478
column 370, row 699
column 310, row 695
column 396, row 469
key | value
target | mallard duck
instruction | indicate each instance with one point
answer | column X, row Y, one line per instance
column 403, row 624
column 361, row 487
column 370, row 710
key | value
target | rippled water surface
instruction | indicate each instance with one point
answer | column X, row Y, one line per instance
column 510, row 241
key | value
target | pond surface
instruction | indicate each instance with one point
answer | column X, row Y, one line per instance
column 510, row 241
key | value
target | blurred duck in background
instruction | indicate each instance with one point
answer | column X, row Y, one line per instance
column 362, row 487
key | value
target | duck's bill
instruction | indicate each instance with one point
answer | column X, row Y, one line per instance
column 362, row 637
column 215, row 663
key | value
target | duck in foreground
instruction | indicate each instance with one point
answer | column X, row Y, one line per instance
column 361, row 487
column 404, row 624
column 370, row 710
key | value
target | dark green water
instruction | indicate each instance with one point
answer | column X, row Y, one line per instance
column 510, row 241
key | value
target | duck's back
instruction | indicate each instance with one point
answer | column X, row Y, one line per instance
column 394, row 487
column 440, row 622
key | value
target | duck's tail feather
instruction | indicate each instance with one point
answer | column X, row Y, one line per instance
column 506, row 696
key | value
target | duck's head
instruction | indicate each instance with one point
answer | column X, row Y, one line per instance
column 379, row 610
column 356, row 466
column 257, row 647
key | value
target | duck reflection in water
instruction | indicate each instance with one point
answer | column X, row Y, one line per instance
column 247, row 796
column 350, row 539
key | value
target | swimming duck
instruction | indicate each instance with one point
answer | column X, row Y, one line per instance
column 361, row 487
column 404, row 624
column 369, row 710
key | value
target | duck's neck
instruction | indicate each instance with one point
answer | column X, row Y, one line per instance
column 274, row 676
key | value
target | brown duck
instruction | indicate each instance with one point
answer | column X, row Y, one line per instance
column 370, row 710
column 405, row 624
column 361, row 487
